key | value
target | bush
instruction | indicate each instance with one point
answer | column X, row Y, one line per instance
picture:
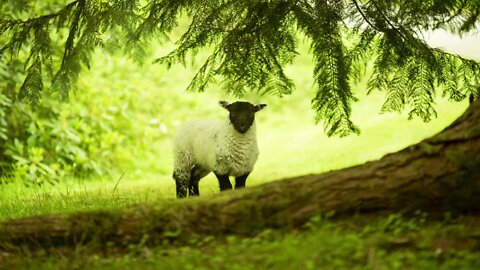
column 111, row 122
column 47, row 142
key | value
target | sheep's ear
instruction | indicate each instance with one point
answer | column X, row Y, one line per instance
column 259, row 107
column 224, row 104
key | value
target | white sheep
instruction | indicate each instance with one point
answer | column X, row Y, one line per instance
column 226, row 148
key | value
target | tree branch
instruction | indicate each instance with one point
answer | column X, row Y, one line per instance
column 40, row 18
column 393, row 27
column 5, row 25
column 364, row 16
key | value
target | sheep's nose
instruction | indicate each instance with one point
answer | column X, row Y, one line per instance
column 242, row 129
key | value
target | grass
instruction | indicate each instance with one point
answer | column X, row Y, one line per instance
column 358, row 242
column 71, row 196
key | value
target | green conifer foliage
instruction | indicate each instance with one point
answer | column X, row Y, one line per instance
column 251, row 42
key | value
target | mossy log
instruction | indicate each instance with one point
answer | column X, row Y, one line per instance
column 440, row 173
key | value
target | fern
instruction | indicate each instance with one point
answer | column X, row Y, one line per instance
column 250, row 43
column 333, row 98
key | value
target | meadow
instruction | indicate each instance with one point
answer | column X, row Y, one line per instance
column 155, row 104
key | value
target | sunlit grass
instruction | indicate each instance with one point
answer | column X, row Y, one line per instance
column 18, row 200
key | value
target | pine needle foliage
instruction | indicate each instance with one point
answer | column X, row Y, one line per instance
column 83, row 22
column 251, row 41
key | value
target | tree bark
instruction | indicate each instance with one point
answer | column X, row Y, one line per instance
column 440, row 173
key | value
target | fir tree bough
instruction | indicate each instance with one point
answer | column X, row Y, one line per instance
column 252, row 41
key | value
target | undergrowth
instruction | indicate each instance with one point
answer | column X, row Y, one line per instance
column 381, row 241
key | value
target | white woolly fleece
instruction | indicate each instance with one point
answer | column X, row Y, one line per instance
column 214, row 146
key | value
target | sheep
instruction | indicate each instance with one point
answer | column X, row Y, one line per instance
column 226, row 148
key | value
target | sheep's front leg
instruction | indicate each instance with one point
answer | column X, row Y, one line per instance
column 224, row 182
column 240, row 181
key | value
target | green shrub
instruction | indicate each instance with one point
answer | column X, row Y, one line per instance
column 109, row 123
column 47, row 142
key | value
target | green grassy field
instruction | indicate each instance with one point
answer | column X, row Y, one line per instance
column 290, row 144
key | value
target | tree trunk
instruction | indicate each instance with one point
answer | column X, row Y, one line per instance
column 439, row 173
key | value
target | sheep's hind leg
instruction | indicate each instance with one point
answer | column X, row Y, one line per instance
column 224, row 182
column 240, row 180
column 193, row 188
column 196, row 174
column 181, row 182
column 181, row 188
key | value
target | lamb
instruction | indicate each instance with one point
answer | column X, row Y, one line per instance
column 226, row 148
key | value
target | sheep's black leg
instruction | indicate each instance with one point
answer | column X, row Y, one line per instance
column 180, row 186
column 240, row 181
column 224, row 182
column 181, row 190
column 196, row 174
column 193, row 187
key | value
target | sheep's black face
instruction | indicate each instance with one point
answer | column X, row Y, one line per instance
column 242, row 114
